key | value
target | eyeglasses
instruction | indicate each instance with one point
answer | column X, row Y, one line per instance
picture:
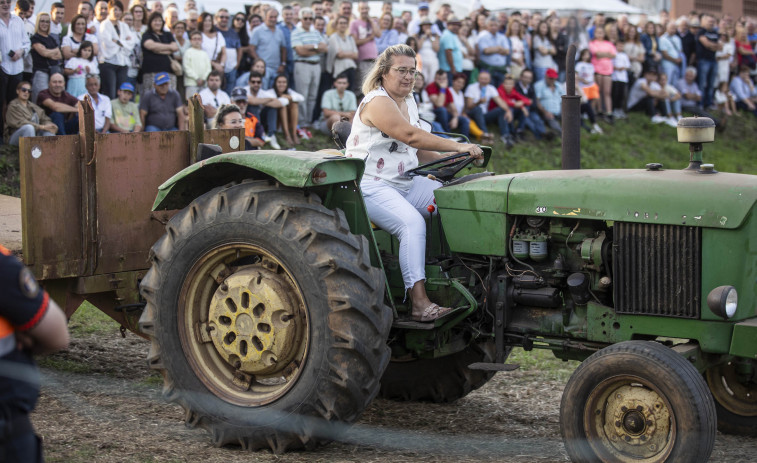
column 341, row 106
column 256, row 81
column 307, row 18
column 239, row 19
column 404, row 71
column 25, row 89
column 224, row 17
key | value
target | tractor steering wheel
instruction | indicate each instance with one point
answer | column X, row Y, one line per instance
column 443, row 169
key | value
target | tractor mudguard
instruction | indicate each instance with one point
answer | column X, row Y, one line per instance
column 296, row 169
column 742, row 341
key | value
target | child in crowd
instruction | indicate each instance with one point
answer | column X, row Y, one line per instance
column 621, row 64
column 77, row 68
column 724, row 99
column 585, row 76
column 196, row 64
column 125, row 112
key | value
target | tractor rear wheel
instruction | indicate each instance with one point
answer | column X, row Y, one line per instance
column 265, row 316
column 735, row 398
column 637, row 401
column 443, row 379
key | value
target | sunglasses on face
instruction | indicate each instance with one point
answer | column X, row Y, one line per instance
column 25, row 89
column 256, row 81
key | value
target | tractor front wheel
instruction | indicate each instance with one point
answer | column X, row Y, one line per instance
column 637, row 401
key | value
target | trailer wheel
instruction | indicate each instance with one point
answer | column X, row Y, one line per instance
column 265, row 316
column 735, row 399
column 443, row 379
column 637, row 401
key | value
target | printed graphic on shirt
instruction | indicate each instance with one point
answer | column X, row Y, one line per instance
column 27, row 283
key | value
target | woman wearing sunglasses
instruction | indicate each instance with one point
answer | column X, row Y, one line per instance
column 25, row 119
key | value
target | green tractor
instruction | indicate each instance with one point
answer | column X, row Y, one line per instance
column 275, row 308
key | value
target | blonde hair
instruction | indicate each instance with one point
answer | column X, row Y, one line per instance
column 381, row 67
column 40, row 16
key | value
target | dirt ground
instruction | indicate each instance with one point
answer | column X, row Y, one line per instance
column 101, row 404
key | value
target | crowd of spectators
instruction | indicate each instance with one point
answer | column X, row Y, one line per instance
column 301, row 69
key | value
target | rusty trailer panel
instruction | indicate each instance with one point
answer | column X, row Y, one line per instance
column 130, row 167
column 87, row 199
column 51, row 198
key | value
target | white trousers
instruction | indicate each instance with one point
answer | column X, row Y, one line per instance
column 402, row 214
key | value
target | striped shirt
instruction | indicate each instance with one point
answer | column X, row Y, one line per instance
column 307, row 38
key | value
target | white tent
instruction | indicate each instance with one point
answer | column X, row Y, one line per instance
column 463, row 7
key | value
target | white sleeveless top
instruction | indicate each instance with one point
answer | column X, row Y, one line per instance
column 386, row 159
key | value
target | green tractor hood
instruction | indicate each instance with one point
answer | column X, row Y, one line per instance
column 290, row 168
column 674, row 197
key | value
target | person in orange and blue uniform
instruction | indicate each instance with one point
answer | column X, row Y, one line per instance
column 30, row 323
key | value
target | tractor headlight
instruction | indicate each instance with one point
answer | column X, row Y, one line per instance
column 723, row 301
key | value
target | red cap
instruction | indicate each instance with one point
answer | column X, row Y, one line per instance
column 551, row 73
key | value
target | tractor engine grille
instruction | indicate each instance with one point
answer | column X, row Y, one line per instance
column 657, row 269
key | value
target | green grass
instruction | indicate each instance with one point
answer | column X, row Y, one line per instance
column 544, row 361
column 88, row 319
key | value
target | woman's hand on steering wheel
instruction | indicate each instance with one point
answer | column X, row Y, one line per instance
column 471, row 148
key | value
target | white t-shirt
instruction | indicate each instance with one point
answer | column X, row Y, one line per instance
column 637, row 93
column 213, row 45
column 458, row 99
column 216, row 100
column 585, row 72
column 621, row 60
column 75, row 62
column 102, row 109
column 475, row 93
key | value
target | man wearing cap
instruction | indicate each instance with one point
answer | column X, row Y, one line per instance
column 415, row 25
column 100, row 103
column 253, row 129
column 450, row 49
column 212, row 96
column 549, row 94
column 162, row 108
column 125, row 112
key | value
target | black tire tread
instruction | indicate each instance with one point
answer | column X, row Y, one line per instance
column 358, row 319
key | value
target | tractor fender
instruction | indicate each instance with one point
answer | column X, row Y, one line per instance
column 297, row 169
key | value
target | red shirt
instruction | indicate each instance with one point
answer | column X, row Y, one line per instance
column 510, row 98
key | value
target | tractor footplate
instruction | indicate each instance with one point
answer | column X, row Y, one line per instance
column 493, row 366
column 409, row 324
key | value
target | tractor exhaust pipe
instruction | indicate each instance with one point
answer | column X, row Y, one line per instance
column 571, row 115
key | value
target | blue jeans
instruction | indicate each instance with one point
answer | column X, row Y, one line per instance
column 463, row 125
column 231, row 80
column 707, row 72
column 65, row 127
column 153, row 128
column 482, row 120
column 534, row 123
column 442, row 117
